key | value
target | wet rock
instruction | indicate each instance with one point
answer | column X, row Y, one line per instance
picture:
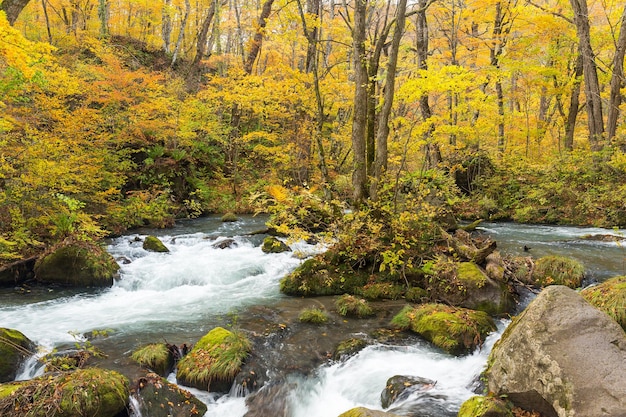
column 14, row 348
column 561, row 357
column 225, row 244
column 17, row 272
column 77, row 264
column 401, row 386
column 154, row 244
column 479, row 406
column 349, row 347
column 229, row 217
column 160, row 358
column 271, row 400
column 366, row 412
column 273, row 245
column 157, row 397
column 482, row 292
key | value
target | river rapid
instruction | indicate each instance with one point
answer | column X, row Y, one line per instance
column 181, row 295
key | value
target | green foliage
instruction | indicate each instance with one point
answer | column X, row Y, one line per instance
column 381, row 290
column 349, row 305
column 455, row 330
column 156, row 357
column 558, row 270
column 215, row 359
column 610, row 297
column 313, row 316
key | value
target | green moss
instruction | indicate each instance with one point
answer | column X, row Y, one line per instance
column 313, row 315
column 154, row 244
column 14, row 347
column 349, row 305
column 382, row 290
column 8, row 389
column 215, row 360
column 229, row 217
column 81, row 264
column 348, row 347
column 416, row 295
column 610, row 297
column 156, row 357
column 86, row 392
column 317, row 277
column 479, row 406
column 470, row 274
column 455, row 330
column 273, row 245
column 558, row 270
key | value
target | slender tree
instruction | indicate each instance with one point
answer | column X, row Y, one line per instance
column 617, row 79
column 13, row 8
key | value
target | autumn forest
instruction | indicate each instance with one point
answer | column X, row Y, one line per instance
column 123, row 113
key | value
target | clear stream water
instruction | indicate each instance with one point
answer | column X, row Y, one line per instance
column 181, row 295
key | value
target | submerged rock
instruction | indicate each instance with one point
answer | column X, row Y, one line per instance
column 14, row 348
column 225, row 244
column 77, row 264
column 561, row 357
column 159, row 398
column 401, row 386
column 154, row 244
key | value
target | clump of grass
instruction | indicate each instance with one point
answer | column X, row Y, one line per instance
column 313, row 315
column 215, row 359
column 156, row 357
column 349, row 305
column 382, row 290
column 610, row 297
column 558, row 270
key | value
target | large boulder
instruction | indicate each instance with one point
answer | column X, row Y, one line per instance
column 154, row 244
column 14, row 348
column 481, row 292
column 561, row 357
column 156, row 397
column 77, row 264
column 86, row 392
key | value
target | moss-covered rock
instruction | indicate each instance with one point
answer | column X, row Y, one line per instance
column 14, row 348
column 316, row 277
column 154, row 244
column 455, row 330
column 348, row 347
column 86, row 392
column 610, row 297
column 229, row 217
column 214, row 361
column 558, row 270
column 77, row 264
column 9, row 388
column 159, row 398
column 381, row 290
column 158, row 357
column 313, row 316
column 401, row 386
column 273, row 245
column 479, row 406
column 366, row 412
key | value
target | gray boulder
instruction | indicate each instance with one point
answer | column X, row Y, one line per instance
column 561, row 357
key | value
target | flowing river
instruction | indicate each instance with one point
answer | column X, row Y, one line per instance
column 181, row 295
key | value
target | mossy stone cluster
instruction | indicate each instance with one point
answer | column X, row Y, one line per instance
column 610, row 297
column 316, row 277
column 558, row 270
column 159, row 398
column 154, row 244
column 156, row 357
column 214, row 361
column 85, row 392
column 77, row 264
column 455, row 330
column 14, row 348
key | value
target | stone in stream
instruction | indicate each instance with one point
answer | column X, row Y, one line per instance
column 561, row 357
column 14, row 348
column 401, row 386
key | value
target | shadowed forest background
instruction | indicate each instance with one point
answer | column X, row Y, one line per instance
column 119, row 114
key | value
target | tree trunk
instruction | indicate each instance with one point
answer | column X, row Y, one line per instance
column 103, row 15
column 590, row 73
column 495, row 53
column 382, row 135
column 13, row 8
column 47, row 18
column 617, row 79
column 359, row 121
column 574, row 104
column 181, row 34
column 166, row 26
column 203, row 35
column 257, row 40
